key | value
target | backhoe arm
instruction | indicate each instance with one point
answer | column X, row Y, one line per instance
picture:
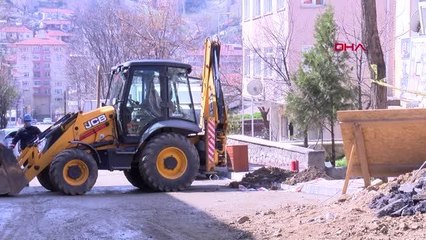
column 214, row 119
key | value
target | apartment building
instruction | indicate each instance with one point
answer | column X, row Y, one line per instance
column 39, row 72
column 410, row 53
column 10, row 34
column 281, row 30
column 55, row 13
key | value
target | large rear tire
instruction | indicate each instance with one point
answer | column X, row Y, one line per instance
column 74, row 172
column 44, row 179
column 133, row 175
column 169, row 162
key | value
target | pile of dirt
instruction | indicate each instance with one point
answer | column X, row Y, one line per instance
column 265, row 177
column 348, row 217
column 307, row 175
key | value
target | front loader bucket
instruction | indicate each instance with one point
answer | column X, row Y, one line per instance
column 12, row 178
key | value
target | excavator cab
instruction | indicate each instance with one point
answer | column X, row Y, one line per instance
column 148, row 92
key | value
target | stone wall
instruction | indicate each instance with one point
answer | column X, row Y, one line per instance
column 276, row 154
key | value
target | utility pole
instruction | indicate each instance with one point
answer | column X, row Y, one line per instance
column 65, row 101
column 98, row 87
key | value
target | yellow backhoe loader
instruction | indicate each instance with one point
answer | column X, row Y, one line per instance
column 148, row 128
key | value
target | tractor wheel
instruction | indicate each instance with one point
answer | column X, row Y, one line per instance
column 44, row 179
column 133, row 175
column 169, row 162
column 74, row 172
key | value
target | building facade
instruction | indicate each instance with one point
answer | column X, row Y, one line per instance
column 279, row 31
column 410, row 54
column 39, row 72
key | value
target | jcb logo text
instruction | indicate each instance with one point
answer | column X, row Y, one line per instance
column 95, row 121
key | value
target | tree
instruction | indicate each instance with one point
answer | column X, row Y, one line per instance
column 108, row 34
column 322, row 84
column 371, row 41
column 8, row 93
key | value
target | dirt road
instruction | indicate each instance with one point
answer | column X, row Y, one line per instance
column 209, row 210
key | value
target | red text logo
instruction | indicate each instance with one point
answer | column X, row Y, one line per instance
column 339, row 47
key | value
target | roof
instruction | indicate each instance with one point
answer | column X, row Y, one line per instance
column 153, row 62
column 40, row 41
column 48, row 21
column 56, row 33
column 15, row 29
column 56, row 10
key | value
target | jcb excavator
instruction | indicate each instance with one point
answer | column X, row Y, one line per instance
column 147, row 128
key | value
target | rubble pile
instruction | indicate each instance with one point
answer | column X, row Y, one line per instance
column 307, row 175
column 405, row 198
column 265, row 177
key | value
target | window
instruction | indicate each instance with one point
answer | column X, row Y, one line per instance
column 36, row 74
column 269, row 58
column 36, row 65
column 47, row 65
column 246, row 9
column 47, row 74
column 312, row 2
column 24, row 57
column 58, row 99
column 267, row 6
column 422, row 11
column 37, row 83
column 58, row 91
column 25, row 83
column 257, row 65
column 280, row 4
column 36, row 57
column 179, row 96
column 26, row 74
column 256, row 8
column 58, row 84
column 247, row 62
column 144, row 99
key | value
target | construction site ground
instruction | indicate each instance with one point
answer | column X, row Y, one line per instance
column 210, row 209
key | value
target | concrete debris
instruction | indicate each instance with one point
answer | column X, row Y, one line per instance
column 403, row 199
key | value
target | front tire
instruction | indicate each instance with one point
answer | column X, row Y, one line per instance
column 133, row 175
column 169, row 162
column 44, row 178
column 74, row 172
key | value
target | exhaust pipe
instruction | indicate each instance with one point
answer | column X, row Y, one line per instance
column 12, row 177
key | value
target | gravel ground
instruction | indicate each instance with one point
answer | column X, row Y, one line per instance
column 116, row 210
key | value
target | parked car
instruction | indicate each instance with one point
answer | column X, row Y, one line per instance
column 47, row 120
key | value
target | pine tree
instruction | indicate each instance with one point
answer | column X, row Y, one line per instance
column 322, row 82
